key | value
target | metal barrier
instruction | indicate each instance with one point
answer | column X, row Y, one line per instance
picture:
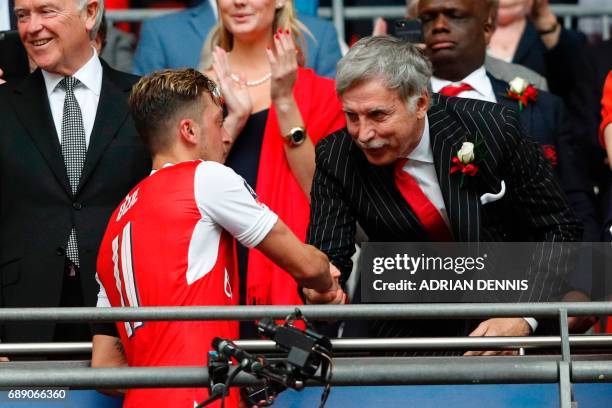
column 359, row 344
column 340, row 14
column 315, row 312
column 351, row 371
column 347, row 371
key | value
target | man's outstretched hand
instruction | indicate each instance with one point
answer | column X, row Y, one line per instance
column 332, row 296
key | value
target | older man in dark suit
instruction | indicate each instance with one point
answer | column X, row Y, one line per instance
column 390, row 170
column 69, row 153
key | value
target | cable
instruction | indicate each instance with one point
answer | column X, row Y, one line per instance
column 226, row 388
column 229, row 380
column 327, row 381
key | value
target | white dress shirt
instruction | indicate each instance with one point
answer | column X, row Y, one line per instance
column 87, row 94
column 483, row 90
column 5, row 15
column 420, row 166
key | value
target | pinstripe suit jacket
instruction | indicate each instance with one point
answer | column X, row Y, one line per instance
column 347, row 189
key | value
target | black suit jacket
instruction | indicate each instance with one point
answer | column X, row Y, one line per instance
column 348, row 189
column 37, row 207
column 546, row 123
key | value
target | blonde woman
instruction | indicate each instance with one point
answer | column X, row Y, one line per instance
column 278, row 110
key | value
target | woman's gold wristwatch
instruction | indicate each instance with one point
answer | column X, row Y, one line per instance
column 296, row 136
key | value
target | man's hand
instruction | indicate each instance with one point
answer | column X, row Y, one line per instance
column 2, row 81
column 499, row 327
column 333, row 296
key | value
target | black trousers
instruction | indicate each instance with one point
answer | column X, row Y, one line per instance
column 72, row 296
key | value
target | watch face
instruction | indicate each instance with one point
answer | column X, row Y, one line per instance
column 297, row 137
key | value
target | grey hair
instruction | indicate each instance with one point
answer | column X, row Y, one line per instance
column 94, row 31
column 401, row 65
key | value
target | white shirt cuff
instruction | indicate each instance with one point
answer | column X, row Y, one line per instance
column 533, row 323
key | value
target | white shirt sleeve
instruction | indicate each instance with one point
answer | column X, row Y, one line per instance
column 102, row 297
column 226, row 199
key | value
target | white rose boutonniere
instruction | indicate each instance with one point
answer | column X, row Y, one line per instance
column 466, row 153
column 518, row 85
column 464, row 162
column 521, row 91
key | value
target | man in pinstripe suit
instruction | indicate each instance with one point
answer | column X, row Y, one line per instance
column 391, row 114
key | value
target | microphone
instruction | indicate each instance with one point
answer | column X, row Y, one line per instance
column 229, row 349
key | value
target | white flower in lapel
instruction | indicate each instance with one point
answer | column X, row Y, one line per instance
column 521, row 91
column 518, row 85
column 466, row 153
column 463, row 162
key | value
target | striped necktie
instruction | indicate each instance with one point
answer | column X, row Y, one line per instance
column 73, row 150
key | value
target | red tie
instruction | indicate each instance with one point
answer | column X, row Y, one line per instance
column 426, row 212
column 452, row 90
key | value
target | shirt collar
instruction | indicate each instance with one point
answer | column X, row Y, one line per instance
column 477, row 79
column 90, row 75
column 213, row 6
column 423, row 152
column 168, row 164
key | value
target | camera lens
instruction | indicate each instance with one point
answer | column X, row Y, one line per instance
column 266, row 327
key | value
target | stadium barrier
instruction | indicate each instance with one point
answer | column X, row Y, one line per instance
column 562, row 369
column 339, row 14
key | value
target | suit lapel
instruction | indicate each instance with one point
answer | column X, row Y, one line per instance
column 500, row 89
column 112, row 112
column 462, row 203
column 201, row 19
column 501, row 94
column 32, row 107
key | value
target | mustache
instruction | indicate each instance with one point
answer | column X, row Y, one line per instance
column 374, row 144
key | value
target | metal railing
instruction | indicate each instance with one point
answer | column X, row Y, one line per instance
column 395, row 344
column 340, row 14
column 314, row 312
column 347, row 372
column 352, row 371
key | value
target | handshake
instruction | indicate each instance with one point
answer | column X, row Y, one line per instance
column 333, row 295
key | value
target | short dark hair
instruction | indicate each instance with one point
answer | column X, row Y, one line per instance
column 492, row 9
column 157, row 98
